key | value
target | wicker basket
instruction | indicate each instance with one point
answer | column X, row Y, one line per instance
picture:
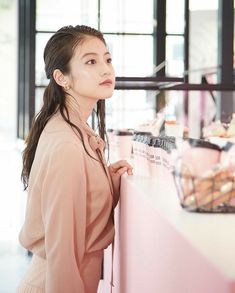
column 213, row 193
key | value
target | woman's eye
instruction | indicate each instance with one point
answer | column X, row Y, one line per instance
column 92, row 61
column 109, row 60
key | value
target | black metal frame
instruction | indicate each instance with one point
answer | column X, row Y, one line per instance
column 225, row 54
column 225, row 41
column 186, row 39
column 26, row 66
column 169, row 84
column 160, row 34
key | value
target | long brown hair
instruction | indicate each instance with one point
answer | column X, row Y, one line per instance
column 58, row 52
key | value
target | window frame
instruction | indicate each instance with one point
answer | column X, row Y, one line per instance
column 27, row 36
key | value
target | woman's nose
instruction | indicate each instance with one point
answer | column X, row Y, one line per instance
column 105, row 69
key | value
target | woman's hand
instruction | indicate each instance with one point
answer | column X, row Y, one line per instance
column 116, row 170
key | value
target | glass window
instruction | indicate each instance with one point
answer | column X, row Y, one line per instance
column 41, row 40
column 128, row 109
column 203, row 5
column 182, row 105
column 126, row 61
column 175, row 56
column 125, row 108
column 132, row 55
column 203, row 50
column 53, row 14
column 38, row 99
column 132, row 51
column 174, row 106
column 126, row 16
column 175, row 16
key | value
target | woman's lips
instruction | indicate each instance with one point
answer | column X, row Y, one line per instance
column 106, row 82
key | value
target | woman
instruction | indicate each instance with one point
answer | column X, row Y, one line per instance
column 71, row 191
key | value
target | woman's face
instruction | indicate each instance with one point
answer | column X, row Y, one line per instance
column 91, row 72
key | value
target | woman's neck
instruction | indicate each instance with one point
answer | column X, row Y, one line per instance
column 80, row 107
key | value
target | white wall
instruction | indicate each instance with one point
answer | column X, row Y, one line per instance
column 8, row 69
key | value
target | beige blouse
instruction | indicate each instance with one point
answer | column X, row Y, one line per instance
column 70, row 201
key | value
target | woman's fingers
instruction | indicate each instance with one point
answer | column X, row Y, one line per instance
column 120, row 164
column 121, row 171
column 129, row 171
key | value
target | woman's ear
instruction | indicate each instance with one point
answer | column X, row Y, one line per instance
column 59, row 78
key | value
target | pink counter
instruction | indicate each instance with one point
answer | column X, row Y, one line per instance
column 160, row 248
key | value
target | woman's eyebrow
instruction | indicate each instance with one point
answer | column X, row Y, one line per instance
column 93, row 53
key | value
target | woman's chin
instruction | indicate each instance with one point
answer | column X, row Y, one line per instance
column 105, row 97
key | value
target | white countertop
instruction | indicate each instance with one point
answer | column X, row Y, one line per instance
column 212, row 235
